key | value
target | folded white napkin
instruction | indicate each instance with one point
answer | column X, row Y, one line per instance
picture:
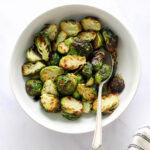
column 141, row 140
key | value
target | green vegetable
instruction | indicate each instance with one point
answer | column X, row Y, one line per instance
column 87, row 36
column 72, row 51
column 87, row 107
column 105, row 90
column 80, row 78
column 54, row 59
column 62, row 48
column 87, row 70
column 90, row 82
column 76, row 95
column 99, row 41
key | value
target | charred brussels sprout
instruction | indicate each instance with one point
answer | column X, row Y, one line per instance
column 50, row 73
column 87, row 36
column 34, row 87
column 72, row 28
column 66, row 84
column 72, row 62
column 83, row 48
column 87, row 70
column 116, row 84
column 32, row 68
column 71, row 108
column 76, row 95
column 43, row 45
column 87, row 107
column 90, row 82
column 80, row 78
column 54, row 59
column 99, row 41
column 91, row 23
column 111, row 39
column 50, row 103
column 62, row 48
column 51, row 30
column 102, row 74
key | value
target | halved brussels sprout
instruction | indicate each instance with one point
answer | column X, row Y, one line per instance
column 111, row 39
column 54, row 59
column 66, row 84
column 87, row 70
column 62, row 48
column 50, row 73
column 99, row 41
column 43, row 45
column 34, row 87
column 87, row 106
column 51, row 30
column 87, row 36
column 87, row 93
column 71, row 108
column 90, row 82
column 72, row 28
column 50, row 103
column 76, row 95
column 32, row 55
column 49, row 87
column 32, row 68
column 91, row 23
column 102, row 74
column 72, row 51
column 109, row 103
column 72, row 62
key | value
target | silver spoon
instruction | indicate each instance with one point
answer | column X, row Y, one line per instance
column 97, row 139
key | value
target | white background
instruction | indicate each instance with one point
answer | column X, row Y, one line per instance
column 18, row 131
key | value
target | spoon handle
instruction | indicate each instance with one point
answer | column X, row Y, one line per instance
column 97, row 140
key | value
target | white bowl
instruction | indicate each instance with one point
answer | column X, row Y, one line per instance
column 128, row 66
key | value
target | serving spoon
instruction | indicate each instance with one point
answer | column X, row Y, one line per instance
column 97, row 139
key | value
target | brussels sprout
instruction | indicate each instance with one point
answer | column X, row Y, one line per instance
column 51, row 30
column 32, row 55
column 83, row 48
column 87, row 107
column 111, row 39
column 50, row 103
column 36, row 76
column 72, row 28
column 71, row 108
column 50, row 73
column 87, row 93
column 116, row 84
column 109, row 103
column 54, row 59
column 91, row 23
column 69, row 41
column 72, row 62
column 34, row 87
column 90, row 82
column 62, row 48
column 80, row 78
column 49, row 87
column 102, row 74
column 43, row 45
column 87, row 36
column 72, row 51
column 32, row 68
column 66, row 84
column 99, row 41
column 76, row 95
column 87, row 70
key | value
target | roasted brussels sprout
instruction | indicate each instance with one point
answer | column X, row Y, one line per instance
column 66, row 84
column 72, row 51
column 72, row 28
column 111, row 39
column 71, row 108
column 34, row 87
column 49, row 87
column 36, row 76
column 116, row 84
column 99, row 41
column 87, row 107
column 62, row 48
column 72, row 62
column 87, row 93
column 102, row 74
column 87, row 36
column 109, row 103
column 76, row 95
column 54, row 59
column 83, row 48
column 32, row 68
column 50, row 103
column 87, row 70
column 90, row 82
column 32, row 55
column 91, row 23
column 43, row 45
column 80, row 78
column 50, row 73
column 51, row 30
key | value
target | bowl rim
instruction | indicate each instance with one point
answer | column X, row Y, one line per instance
column 136, row 84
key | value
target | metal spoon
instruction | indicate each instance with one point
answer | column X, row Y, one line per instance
column 97, row 139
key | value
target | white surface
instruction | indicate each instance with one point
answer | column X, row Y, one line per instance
column 19, row 132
